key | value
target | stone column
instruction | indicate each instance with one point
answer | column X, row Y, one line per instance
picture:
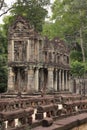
column 50, row 78
column 63, row 80
column 55, row 83
column 42, row 78
column 30, row 84
column 70, row 83
column 9, row 51
column 47, row 57
column 66, row 81
column 32, row 55
column 19, row 80
column 10, row 80
column 28, row 50
column 60, row 81
column 36, row 79
column 12, row 53
column 38, row 51
column 35, row 50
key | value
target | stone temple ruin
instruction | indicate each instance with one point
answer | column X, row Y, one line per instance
column 36, row 63
column 39, row 86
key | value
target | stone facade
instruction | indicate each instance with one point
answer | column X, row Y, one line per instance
column 36, row 63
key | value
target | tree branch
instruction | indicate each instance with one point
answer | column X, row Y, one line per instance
column 6, row 11
column 1, row 4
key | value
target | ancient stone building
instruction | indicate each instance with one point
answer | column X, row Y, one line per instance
column 36, row 63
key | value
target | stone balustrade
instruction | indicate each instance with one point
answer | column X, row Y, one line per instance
column 18, row 118
column 18, row 113
column 75, row 106
column 48, row 110
column 14, row 103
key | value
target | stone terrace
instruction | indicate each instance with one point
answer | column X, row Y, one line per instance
column 29, row 112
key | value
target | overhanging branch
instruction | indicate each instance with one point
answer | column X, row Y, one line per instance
column 6, row 11
column 1, row 4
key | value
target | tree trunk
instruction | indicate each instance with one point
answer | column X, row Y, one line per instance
column 82, row 46
column 81, row 38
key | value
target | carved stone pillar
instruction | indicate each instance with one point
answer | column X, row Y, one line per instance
column 35, row 50
column 12, row 53
column 60, row 80
column 47, row 57
column 36, row 79
column 9, row 51
column 38, row 51
column 41, row 79
column 50, row 78
column 28, row 50
column 55, row 82
column 10, row 79
column 32, row 51
column 19, row 80
column 66, row 81
column 30, row 84
column 63, row 80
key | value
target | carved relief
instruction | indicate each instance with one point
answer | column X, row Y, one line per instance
column 20, row 27
column 20, row 50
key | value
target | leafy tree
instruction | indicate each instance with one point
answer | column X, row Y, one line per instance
column 71, row 19
column 33, row 10
column 77, row 69
column 52, row 30
column 76, row 56
column 3, row 63
column 70, row 23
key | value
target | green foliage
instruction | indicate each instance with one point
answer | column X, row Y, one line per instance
column 48, row 30
column 3, row 63
column 76, row 55
column 77, row 69
column 70, row 24
column 70, row 17
column 33, row 10
column 67, row 12
column 52, row 30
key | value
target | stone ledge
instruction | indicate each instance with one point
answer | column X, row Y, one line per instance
column 66, row 123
